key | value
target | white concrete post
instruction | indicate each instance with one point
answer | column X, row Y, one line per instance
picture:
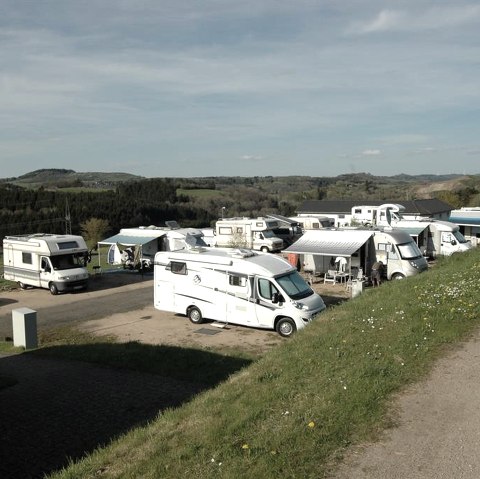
column 24, row 322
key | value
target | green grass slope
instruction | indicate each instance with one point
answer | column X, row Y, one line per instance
column 292, row 413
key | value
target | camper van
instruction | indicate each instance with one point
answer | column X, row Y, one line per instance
column 433, row 237
column 55, row 262
column 236, row 286
column 382, row 215
column 135, row 248
column 399, row 253
column 313, row 222
column 256, row 233
column 322, row 252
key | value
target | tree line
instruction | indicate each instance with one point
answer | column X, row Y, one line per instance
column 131, row 204
column 200, row 203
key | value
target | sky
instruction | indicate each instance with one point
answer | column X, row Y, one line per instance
column 183, row 88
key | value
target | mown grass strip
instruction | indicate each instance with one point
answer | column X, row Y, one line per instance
column 292, row 413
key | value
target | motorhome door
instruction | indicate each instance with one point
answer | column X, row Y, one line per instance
column 240, row 308
column 46, row 271
column 269, row 300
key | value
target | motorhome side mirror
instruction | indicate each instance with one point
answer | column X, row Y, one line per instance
column 277, row 298
column 453, row 242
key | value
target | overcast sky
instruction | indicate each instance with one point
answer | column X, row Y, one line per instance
column 240, row 87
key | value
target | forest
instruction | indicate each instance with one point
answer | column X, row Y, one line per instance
column 60, row 206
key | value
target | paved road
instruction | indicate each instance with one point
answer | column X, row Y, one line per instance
column 102, row 299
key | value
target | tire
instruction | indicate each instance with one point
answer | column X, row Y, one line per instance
column 264, row 249
column 195, row 315
column 22, row 285
column 397, row 276
column 286, row 327
column 53, row 289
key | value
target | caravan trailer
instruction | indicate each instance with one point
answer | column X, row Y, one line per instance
column 54, row 262
column 234, row 286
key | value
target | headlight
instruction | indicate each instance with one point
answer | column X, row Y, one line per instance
column 414, row 264
column 300, row 305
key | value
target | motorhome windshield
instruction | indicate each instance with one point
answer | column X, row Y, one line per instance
column 268, row 234
column 460, row 238
column 294, row 285
column 409, row 250
column 67, row 261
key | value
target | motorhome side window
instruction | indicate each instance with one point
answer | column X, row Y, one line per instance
column 67, row 245
column 27, row 258
column 266, row 289
column 239, row 229
column 177, row 267
column 383, row 246
column 315, row 226
column 236, row 280
column 225, row 230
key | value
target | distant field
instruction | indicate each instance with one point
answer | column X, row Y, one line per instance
column 200, row 193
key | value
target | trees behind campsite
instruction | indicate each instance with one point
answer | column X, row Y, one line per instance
column 198, row 202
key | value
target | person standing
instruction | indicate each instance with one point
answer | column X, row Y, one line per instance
column 376, row 276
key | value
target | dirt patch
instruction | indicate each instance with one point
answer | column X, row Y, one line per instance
column 150, row 326
column 424, row 191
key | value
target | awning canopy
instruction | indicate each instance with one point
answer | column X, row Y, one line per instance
column 330, row 242
column 128, row 240
column 465, row 221
column 282, row 219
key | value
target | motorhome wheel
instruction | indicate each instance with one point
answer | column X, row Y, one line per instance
column 53, row 289
column 398, row 276
column 22, row 285
column 264, row 249
column 195, row 315
column 286, row 327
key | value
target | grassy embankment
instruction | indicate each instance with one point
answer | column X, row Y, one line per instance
column 294, row 411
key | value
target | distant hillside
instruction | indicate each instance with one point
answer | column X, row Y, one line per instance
column 62, row 178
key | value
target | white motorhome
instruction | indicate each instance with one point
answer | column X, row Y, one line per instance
column 234, row 286
column 313, row 222
column 468, row 219
column 135, row 248
column 254, row 233
column 55, row 262
column 322, row 251
column 434, row 237
column 382, row 215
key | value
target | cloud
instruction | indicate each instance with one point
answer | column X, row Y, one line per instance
column 371, row 152
column 253, row 158
column 419, row 20
column 385, row 20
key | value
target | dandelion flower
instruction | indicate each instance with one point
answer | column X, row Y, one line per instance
column 245, row 446
column 311, row 424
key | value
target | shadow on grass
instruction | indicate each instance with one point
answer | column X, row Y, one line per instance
column 64, row 405
column 333, row 300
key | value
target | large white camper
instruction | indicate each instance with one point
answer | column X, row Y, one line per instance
column 433, row 237
column 135, row 248
column 254, row 233
column 234, row 286
column 55, row 262
column 313, row 222
column 322, row 250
